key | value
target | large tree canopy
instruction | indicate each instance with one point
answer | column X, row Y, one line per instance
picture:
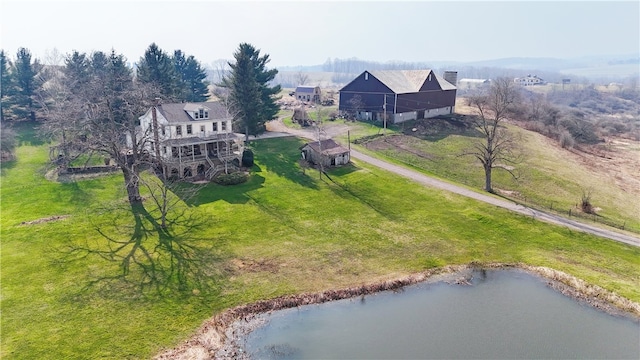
column 93, row 108
column 498, row 147
column 251, row 98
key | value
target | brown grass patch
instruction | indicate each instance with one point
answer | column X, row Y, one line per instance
column 253, row 266
column 44, row 220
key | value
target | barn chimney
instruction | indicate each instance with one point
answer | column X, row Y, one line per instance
column 452, row 77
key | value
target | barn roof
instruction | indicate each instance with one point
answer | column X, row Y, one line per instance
column 408, row 81
column 177, row 112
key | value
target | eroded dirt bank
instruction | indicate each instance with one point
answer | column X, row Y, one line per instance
column 220, row 336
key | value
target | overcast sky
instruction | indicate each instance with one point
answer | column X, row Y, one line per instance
column 309, row 32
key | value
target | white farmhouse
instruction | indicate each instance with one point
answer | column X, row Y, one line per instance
column 192, row 139
column 529, row 80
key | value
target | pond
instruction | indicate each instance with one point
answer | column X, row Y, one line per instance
column 506, row 314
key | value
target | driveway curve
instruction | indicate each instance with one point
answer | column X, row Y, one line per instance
column 277, row 127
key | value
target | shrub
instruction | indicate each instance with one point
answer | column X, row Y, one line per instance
column 247, row 158
column 566, row 140
column 585, row 203
column 231, row 179
column 581, row 130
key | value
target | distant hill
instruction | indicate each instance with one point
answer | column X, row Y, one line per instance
column 593, row 68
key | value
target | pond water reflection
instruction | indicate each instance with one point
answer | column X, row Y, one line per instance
column 505, row 314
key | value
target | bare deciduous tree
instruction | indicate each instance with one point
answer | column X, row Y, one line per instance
column 302, row 78
column 498, row 147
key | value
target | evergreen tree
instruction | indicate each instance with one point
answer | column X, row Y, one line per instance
column 77, row 70
column 156, row 67
column 191, row 76
column 251, row 98
column 24, row 73
column 7, row 88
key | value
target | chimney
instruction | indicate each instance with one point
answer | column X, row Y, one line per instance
column 452, row 77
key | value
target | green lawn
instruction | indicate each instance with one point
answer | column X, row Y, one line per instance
column 282, row 232
column 547, row 177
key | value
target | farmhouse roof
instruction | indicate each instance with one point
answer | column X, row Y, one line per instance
column 178, row 112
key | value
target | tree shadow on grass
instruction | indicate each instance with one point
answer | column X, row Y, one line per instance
column 345, row 190
column 233, row 194
column 142, row 258
column 74, row 193
column 5, row 166
column 280, row 156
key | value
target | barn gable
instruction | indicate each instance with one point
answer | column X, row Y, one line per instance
column 366, row 82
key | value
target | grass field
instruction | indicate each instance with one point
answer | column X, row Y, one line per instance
column 549, row 177
column 282, row 232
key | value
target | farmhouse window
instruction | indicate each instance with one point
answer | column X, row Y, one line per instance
column 162, row 130
column 201, row 128
column 215, row 126
column 179, row 130
column 223, row 125
column 189, row 129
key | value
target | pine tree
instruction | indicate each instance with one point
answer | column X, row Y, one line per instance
column 77, row 70
column 24, row 73
column 251, row 97
column 156, row 67
column 192, row 84
column 7, row 87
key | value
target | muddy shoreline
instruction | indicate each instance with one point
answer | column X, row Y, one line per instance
column 221, row 336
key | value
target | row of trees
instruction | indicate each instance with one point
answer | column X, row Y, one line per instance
column 91, row 104
column 25, row 79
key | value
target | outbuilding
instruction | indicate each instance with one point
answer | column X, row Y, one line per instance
column 308, row 93
column 326, row 152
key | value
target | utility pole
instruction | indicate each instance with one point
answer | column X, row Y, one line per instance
column 319, row 152
column 384, row 110
column 156, row 136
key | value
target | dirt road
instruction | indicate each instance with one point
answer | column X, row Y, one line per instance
column 278, row 126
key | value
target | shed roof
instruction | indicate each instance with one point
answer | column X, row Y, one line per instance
column 178, row 112
column 326, row 147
